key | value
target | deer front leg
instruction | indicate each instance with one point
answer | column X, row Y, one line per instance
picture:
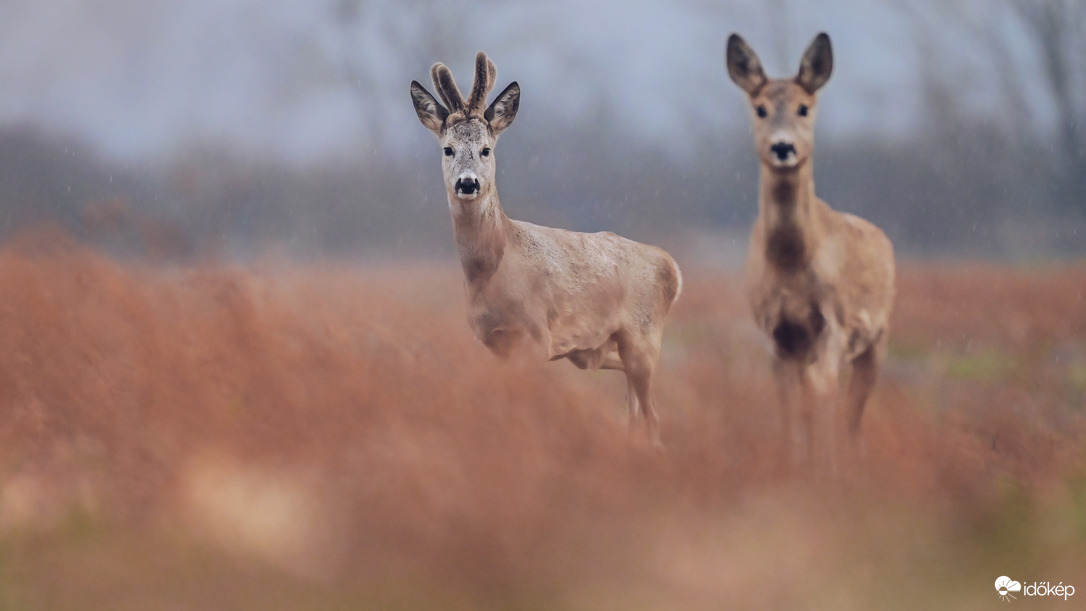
column 819, row 389
column 819, row 381
column 786, row 378
column 502, row 342
column 509, row 338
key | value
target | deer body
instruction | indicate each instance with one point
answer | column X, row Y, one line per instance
column 820, row 282
column 596, row 299
column 809, row 267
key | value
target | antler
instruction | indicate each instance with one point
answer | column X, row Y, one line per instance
column 485, row 75
column 446, row 87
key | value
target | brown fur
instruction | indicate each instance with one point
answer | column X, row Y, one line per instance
column 820, row 282
column 596, row 299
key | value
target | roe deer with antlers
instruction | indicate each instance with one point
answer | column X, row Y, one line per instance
column 820, row 282
column 596, row 299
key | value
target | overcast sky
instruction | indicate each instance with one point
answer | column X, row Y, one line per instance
column 306, row 80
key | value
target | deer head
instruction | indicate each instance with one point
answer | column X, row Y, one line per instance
column 783, row 109
column 465, row 130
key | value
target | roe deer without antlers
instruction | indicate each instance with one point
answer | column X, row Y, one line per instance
column 596, row 299
column 820, row 282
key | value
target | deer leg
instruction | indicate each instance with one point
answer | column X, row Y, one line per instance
column 642, row 385
column 639, row 361
column 631, row 403
column 820, row 384
column 808, row 405
column 820, row 411
column 865, row 371
column 502, row 342
column 785, row 376
column 604, row 356
column 611, row 359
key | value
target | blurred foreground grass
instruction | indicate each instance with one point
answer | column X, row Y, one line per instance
column 326, row 436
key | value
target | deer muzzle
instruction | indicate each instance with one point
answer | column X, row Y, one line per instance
column 467, row 185
column 783, row 151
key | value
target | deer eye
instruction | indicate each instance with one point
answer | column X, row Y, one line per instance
column 448, row 151
column 485, row 152
column 803, row 110
column 761, row 112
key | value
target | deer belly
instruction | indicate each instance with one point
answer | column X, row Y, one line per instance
column 572, row 333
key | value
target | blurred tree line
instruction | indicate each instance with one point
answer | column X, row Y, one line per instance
column 995, row 166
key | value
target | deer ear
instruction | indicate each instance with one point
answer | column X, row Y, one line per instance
column 743, row 65
column 430, row 112
column 503, row 110
column 817, row 64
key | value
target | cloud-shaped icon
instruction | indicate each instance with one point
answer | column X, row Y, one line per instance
column 1005, row 585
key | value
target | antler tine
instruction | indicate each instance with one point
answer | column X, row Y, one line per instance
column 446, row 87
column 486, row 73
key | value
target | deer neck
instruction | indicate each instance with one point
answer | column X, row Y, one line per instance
column 786, row 205
column 481, row 229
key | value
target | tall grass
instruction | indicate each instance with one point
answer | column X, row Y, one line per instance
column 324, row 435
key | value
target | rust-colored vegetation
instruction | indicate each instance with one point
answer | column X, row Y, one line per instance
column 285, row 435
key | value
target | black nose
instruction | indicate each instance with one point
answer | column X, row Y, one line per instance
column 782, row 150
column 468, row 186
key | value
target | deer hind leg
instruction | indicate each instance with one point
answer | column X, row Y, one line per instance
column 638, row 356
column 632, row 406
column 865, row 371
